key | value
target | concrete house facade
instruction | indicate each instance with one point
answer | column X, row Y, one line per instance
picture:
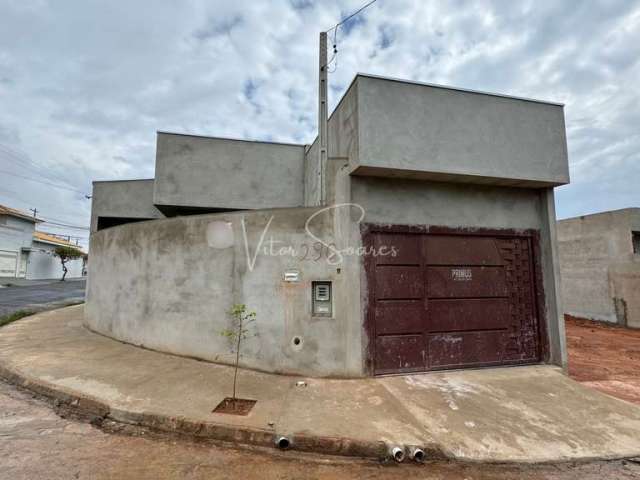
column 426, row 240
column 28, row 253
column 600, row 265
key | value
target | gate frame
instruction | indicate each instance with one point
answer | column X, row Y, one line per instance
column 367, row 231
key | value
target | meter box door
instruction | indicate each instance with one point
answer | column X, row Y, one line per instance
column 321, row 299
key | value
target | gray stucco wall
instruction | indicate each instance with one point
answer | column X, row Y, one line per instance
column 601, row 275
column 409, row 129
column 312, row 175
column 229, row 174
column 342, row 134
column 124, row 199
column 163, row 285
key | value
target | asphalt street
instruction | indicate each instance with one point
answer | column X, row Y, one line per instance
column 38, row 295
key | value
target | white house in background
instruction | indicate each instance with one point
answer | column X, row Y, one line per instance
column 27, row 253
column 16, row 238
column 42, row 262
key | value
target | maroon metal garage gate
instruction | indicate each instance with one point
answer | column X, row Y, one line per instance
column 451, row 298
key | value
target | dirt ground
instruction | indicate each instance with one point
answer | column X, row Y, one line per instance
column 35, row 443
column 605, row 357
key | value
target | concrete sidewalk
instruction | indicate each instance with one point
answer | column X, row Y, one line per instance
column 521, row 414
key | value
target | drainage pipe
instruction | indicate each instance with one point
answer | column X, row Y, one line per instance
column 417, row 454
column 397, row 453
column 283, row 443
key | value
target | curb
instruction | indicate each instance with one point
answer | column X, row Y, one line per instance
column 98, row 411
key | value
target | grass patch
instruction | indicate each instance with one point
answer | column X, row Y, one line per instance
column 12, row 317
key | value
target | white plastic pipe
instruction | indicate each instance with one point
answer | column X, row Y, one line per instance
column 417, row 454
column 283, row 443
column 397, row 454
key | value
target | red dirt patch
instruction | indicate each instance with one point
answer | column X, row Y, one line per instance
column 604, row 357
column 234, row 406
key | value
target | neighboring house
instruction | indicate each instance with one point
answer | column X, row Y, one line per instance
column 43, row 263
column 27, row 253
column 442, row 255
column 600, row 266
column 16, row 237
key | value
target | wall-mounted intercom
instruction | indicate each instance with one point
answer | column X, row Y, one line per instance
column 321, row 299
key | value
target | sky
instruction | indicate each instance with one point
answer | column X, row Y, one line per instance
column 85, row 85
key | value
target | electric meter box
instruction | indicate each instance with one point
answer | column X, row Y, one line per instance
column 321, row 299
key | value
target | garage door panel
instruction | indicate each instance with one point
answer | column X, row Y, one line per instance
column 399, row 317
column 452, row 301
column 464, row 281
column 468, row 314
column 8, row 263
column 399, row 282
column 461, row 250
column 399, row 353
column 400, row 249
column 466, row 349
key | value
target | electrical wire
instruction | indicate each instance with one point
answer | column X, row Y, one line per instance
column 352, row 15
column 66, row 225
column 24, row 161
column 51, row 184
column 334, row 57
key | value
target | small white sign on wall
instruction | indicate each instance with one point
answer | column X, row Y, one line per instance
column 461, row 274
column 292, row 276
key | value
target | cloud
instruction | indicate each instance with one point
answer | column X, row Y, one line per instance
column 84, row 86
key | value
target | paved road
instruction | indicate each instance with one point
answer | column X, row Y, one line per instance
column 25, row 297
column 36, row 443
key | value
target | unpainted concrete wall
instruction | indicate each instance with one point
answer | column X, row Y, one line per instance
column 220, row 173
column 167, row 284
column 413, row 130
column 600, row 273
column 342, row 133
column 123, row 199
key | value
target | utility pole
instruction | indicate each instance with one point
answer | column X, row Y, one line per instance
column 34, row 210
column 322, row 119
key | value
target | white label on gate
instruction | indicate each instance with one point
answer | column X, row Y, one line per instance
column 461, row 274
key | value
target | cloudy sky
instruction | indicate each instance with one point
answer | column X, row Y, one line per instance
column 84, row 85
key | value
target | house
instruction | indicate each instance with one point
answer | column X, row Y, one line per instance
column 28, row 253
column 42, row 262
column 16, row 237
column 600, row 266
column 425, row 240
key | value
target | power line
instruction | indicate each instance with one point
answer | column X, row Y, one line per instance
column 334, row 57
column 43, row 182
column 352, row 15
column 48, row 220
column 24, row 160
column 66, row 225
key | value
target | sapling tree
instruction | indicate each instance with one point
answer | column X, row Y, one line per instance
column 66, row 254
column 242, row 318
